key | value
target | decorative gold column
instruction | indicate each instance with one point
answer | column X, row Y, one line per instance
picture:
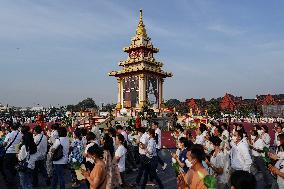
column 142, row 90
column 119, row 94
column 161, row 81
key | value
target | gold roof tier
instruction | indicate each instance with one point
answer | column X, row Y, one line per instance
column 140, row 56
column 147, row 46
column 149, row 60
column 140, row 69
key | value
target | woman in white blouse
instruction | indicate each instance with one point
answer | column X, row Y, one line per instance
column 278, row 168
column 27, row 157
column 58, row 166
column 217, row 163
column 265, row 136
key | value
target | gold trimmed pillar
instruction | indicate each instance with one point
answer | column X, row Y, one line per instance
column 119, row 93
column 142, row 90
column 161, row 81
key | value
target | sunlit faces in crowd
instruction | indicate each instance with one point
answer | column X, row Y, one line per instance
column 94, row 152
column 253, row 135
column 217, row 131
column 280, row 139
column 237, row 137
column 195, row 156
column 278, row 129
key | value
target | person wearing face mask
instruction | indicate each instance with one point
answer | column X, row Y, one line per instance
column 278, row 130
column 265, row 136
column 217, row 164
column 193, row 179
column 181, row 157
column 240, row 156
column 278, row 168
column 257, row 146
column 235, row 125
column 201, row 132
column 208, row 146
column 152, row 164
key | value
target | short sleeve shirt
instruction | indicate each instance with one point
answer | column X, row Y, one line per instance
column 9, row 139
column 182, row 157
column 121, row 153
column 219, row 162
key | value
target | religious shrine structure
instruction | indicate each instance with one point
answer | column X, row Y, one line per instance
column 140, row 81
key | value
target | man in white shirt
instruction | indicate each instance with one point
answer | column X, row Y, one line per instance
column 240, row 157
column 11, row 143
column 257, row 152
column 143, row 141
column 120, row 156
column 41, row 142
column 158, row 138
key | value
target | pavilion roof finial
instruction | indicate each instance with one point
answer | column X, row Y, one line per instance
column 141, row 15
column 141, row 31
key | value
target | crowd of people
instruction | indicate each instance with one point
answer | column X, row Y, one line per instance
column 236, row 158
column 254, row 120
column 103, row 156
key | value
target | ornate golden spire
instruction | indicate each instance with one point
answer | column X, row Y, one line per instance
column 141, row 31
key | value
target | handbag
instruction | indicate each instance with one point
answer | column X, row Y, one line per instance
column 58, row 153
column 23, row 165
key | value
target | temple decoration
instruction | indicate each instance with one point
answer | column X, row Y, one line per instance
column 227, row 103
column 140, row 81
column 193, row 107
column 268, row 100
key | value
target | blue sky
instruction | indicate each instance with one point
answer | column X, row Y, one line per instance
column 60, row 51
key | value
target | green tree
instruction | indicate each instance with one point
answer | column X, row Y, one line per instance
column 172, row 103
column 108, row 107
column 87, row 103
column 83, row 105
column 214, row 108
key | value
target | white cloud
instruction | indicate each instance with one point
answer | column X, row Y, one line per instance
column 227, row 30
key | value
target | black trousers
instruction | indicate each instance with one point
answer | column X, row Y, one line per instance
column 161, row 162
column 2, row 167
column 141, row 169
column 267, row 177
column 150, row 170
column 39, row 168
column 130, row 160
column 10, row 161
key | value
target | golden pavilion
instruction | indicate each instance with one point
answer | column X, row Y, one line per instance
column 140, row 81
